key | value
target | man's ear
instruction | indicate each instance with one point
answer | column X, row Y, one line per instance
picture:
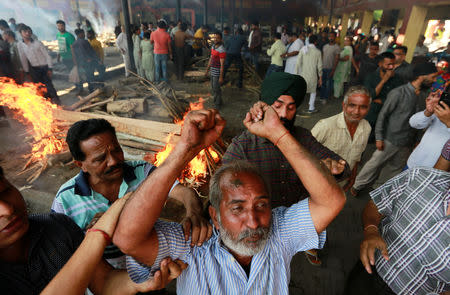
column 213, row 215
column 79, row 164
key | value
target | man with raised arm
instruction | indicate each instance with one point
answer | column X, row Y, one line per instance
column 252, row 245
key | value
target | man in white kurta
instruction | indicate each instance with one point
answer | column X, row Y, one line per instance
column 121, row 43
column 347, row 133
column 292, row 50
column 309, row 66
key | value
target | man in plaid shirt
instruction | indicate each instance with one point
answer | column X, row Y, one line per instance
column 408, row 221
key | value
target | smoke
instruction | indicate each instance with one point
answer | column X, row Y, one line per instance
column 41, row 21
column 101, row 13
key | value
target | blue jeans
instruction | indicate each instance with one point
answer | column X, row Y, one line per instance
column 254, row 57
column 272, row 69
column 161, row 67
column 327, row 84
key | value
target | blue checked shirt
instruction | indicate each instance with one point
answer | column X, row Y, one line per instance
column 214, row 270
column 416, row 230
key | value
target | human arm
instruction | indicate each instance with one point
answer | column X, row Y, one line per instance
column 442, row 111
column 271, row 50
column 135, row 234
column 201, row 228
column 319, row 69
column 386, row 76
column 169, row 45
column 351, row 180
column 74, row 57
column 371, row 219
column 326, row 197
column 23, row 58
column 222, row 67
column 208, row 66
column 385, row 114
column 355, row 65
column 86, row 266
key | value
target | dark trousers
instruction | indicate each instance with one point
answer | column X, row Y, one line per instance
column 272, row 69
column 40, row 75
column 216, row 91
column 237, row 60
column 88, row 69
column 362, row 283
column 180, row 56
column 327, row 84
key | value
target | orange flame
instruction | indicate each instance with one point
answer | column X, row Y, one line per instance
column 197, row 168
column 30, row 107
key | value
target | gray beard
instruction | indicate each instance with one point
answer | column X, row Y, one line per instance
column 238, row 246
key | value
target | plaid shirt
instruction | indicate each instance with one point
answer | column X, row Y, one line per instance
column 286, row 187
column 416, row 230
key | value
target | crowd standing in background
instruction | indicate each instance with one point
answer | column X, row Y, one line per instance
column 280, row 186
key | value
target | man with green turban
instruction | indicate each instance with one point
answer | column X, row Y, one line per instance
column 284, row 93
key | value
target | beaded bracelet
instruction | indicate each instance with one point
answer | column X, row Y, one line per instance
column 107, row 237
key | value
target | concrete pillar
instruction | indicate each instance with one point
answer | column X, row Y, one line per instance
column 126, row 24
column 178, row 10
column 344, row 24
column 413, row 28
column 205, row 12
column 367, row 21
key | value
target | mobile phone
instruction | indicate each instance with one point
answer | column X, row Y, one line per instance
column 445, row 96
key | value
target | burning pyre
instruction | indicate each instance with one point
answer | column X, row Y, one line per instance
column 198, row 169
column 28, row 106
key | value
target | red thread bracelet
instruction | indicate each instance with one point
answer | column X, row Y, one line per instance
column 281, row 137
column 107, row 237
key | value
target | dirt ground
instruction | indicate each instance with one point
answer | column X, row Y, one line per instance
column 343, row 235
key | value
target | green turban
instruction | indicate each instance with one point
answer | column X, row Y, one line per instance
column 281, row 83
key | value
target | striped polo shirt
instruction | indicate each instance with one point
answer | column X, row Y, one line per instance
column 217, row 52
column 213, row 269
column 77, row 200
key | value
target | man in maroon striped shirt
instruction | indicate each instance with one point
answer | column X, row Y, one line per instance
column 216, row 64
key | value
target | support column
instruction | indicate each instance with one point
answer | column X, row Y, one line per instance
column 126, row 19
column 222, row 5
column 344, row 24
column 412, row 28
column 205, row 12
column 366, row 22
column 233, row 13
column 178, row 10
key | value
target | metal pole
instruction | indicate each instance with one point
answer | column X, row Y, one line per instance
column 126, row 19
column 233, row 18
column 205, row 12
column 241, row 13
column 178, row 8
column 221, row 14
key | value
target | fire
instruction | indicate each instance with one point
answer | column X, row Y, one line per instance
column 31, row 108
column 197, row 169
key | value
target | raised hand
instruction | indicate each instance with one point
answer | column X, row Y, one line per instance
column 269, row 126
column 201, row 129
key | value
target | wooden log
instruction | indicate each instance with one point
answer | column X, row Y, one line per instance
column 85, row 99
column 143, row 128
column 138, row 145
column 138, row 105
column 194, row 73
column 83, row 108
column 62, row 157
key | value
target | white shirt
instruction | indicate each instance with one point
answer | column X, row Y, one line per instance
column 250, row 39
column 429, row 149
column 333, row 133
column 121, row 42
column 291, row 61
column 34, row 53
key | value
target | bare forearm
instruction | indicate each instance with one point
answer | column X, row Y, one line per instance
column 188, row 197
column 145, row 205
column 370, row 215
column 379, row 87
column 75, row 276
column 118, row 282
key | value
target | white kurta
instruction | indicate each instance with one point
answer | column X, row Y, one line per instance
column 292, row 60
column 121, row 43
column 309, row 66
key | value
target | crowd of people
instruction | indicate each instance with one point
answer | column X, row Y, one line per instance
column 279, row 187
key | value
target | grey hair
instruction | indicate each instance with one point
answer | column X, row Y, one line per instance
column 357, row 89
column 236, row 166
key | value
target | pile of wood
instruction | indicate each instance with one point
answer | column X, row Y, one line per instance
column 140, row 139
